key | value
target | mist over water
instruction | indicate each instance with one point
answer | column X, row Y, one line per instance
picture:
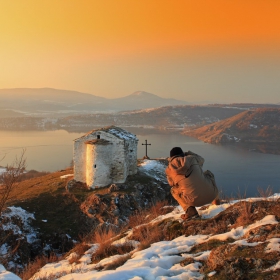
column 238, row 172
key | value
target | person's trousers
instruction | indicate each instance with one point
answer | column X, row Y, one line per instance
column 185, row 200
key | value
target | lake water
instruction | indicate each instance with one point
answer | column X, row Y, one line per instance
column 238, row 172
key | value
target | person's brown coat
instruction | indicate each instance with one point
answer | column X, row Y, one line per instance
column 190, row 185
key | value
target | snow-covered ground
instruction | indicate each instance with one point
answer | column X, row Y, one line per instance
column 153, row 168
column 2, row 170
column 6, row 275
column 11, row 214
column 162, row 260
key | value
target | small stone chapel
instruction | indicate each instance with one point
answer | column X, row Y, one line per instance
column 105, row 156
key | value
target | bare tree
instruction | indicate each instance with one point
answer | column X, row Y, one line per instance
column 10, row 177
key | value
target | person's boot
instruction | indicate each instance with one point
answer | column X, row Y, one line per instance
column 191, row 213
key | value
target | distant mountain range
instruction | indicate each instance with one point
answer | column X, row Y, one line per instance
column 43, row 101
column 257, row 129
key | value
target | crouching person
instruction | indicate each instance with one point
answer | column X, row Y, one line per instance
column 190, row 186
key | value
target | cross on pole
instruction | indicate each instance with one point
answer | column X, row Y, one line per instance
column 146, row 144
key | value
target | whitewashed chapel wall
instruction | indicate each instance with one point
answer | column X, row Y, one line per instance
column 100, row 165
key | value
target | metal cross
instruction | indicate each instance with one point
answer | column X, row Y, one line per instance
column 146, row 144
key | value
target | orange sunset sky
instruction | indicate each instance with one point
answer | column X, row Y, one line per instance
column 194, row 50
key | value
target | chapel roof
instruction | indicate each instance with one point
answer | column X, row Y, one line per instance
column 114, row 130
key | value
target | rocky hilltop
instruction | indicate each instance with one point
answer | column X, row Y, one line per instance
column 257, row 130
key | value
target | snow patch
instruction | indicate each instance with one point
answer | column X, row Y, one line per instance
column 153, row 168
column 6, row 275
column 273, row 245
column 2, row 170
column 66, row 176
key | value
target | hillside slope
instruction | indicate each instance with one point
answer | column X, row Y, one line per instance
column 59, row 211
column 236, row 240
column 256, row 130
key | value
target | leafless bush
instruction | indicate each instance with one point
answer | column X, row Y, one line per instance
column 10, row 177
column 265, row 193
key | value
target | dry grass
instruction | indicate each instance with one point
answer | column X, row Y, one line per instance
column 106, row 250
column 104, row 237
column 138, row 218
column 147, row 215
column 265, row 193
column 116, row 263
column 147, row 235
column 77, row 252
column 245, row 214
column 37, row 264
column 143, row 232
column 32, row 188
column 32, row 174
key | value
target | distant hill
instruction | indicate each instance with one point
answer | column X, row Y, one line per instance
column 44, row 100
column 257, row 130
column 49, row 101
column 139, row 99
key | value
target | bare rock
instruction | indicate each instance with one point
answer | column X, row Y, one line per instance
column 113, row 188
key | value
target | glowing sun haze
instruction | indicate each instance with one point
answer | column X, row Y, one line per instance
column 202, row 50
